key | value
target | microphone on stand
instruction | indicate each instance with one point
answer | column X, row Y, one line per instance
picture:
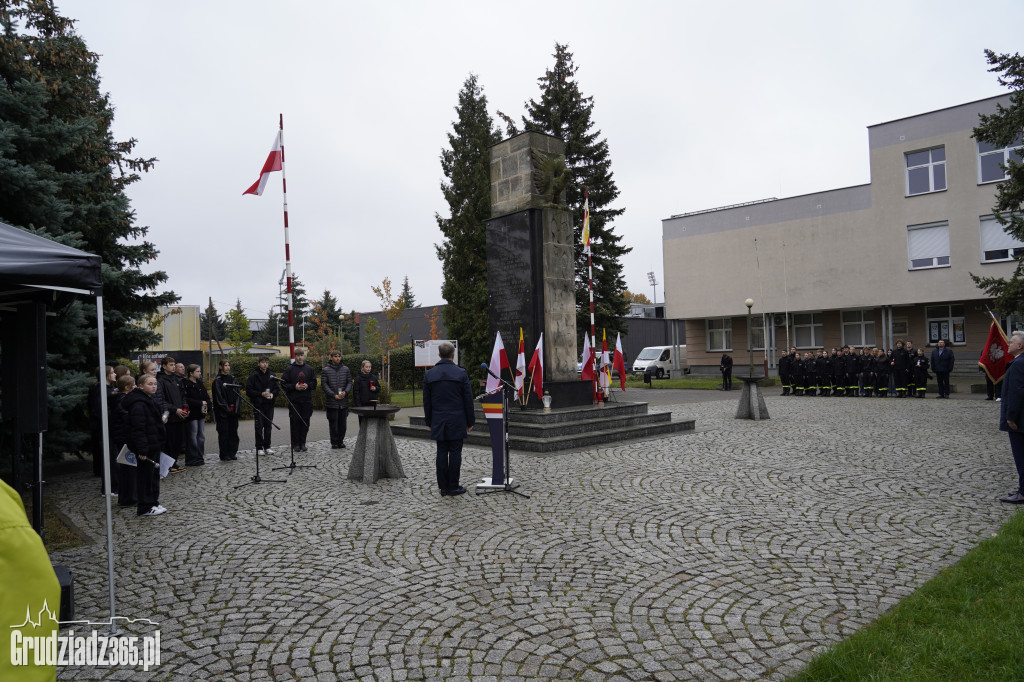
column 487, row 369
column 232, row 385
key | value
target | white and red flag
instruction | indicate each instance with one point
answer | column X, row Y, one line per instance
column 619, row 361
column 606, row 362
column 536, row 367
column 587, row 368
column 273, row 163
column 520, row 366
column 499, row 361
column 994, row 356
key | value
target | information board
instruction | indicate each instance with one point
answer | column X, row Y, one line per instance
column 425, row 351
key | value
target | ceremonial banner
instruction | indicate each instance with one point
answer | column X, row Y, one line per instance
column 496, row 427
column 994, row 356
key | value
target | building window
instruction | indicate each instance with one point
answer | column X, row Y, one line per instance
column 945, row 322
column 757, row 332
column 858, row 328
column 926, row 171
column 928, row 245
column 719, row 334
column 992, row 160
column 996, row 244
column 807, row 330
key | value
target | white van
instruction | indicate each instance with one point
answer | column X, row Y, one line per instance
column 661, row 358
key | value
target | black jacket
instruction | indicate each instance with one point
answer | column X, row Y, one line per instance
column 900, row 360
column 785, row 365
column 920, row 370
column 362, row 393
column 334, row 380
column 195, row 394
column 447, row 401
column 291, row 377
column 174, row 397
column 145, row 426
column 227, row 400
column 258, row 383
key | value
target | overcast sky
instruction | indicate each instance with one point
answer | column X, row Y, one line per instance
column 702, row 104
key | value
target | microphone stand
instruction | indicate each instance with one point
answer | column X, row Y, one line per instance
column 256, row 478
column 508, row 487
column 291, row 446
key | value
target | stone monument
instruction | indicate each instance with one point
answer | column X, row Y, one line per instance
column 530, row 274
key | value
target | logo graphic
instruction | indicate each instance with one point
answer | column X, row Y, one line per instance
column 93, row 649
column 995, row 352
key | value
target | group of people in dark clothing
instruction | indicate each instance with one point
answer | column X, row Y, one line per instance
column 901, row 372
column 164, row 413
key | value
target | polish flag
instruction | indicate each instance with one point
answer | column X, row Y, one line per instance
column 619, row 361
column 536, row 367
column 587, row 370
column 273, row 163
column 520, row 366
column 499, row 361
column 605, row 380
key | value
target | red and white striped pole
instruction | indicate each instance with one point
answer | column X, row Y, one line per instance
column 287, row 246
column 590, row 278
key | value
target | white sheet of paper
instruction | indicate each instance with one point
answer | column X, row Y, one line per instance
column 166, row 462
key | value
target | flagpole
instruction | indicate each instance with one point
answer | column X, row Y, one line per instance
column 287, row 245
column 590, row 282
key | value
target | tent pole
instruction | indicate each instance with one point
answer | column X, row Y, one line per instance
column 106, row 456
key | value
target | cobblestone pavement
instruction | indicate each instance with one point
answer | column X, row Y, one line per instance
column 733, row 553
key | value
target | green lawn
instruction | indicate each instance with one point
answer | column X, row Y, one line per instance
column 967, row 623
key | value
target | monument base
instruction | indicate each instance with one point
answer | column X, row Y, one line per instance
column 751, row 401
column 565, row 394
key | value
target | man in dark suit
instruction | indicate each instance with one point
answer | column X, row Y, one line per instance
column 1010, row 418
column 448, row 411
column 942, row 365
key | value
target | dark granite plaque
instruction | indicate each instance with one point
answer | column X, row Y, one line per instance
column 514, row 288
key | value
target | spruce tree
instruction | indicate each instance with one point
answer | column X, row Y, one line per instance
column 1005, row 129
column 463, row 253
column 564, row 112
column 63, row 176
column 406, row 296
column 211, row 324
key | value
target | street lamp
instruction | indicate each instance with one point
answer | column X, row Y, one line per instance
column 750, row 334
column 341, row 334
column 654, row 283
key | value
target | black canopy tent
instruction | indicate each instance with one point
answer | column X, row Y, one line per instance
column 37, row 274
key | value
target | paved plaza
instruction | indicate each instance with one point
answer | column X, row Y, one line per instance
column 733, row 553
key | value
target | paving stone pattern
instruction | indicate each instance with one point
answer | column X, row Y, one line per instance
column 733, row 553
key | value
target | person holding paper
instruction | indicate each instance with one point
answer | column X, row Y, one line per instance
column 145, row 436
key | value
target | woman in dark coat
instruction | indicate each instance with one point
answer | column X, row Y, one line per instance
column 145, row 433
column 366, row 387
column 920, row 369
column 198, row 402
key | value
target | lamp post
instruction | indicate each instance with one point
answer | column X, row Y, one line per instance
column 750, row 334
column 654, row 283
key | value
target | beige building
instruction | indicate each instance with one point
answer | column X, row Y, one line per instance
column 861, row 266
column 179, row 327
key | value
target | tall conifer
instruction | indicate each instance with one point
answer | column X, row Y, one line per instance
column 1002, row 129
column 564, row 112
column 463, row 253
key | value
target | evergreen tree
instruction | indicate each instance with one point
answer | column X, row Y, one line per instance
column 463, row 253
column 275, row 331
column 210, row 322
column 1004, row 129
column 406, row 296
column 565, row 113
column 63, row 176
column 328, row 309
column 238, row 334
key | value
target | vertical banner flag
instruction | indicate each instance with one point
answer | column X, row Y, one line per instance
column 994, row 355
column 496, row 429
column 587, row 368
column 273, row 163
column 586, row 225
column 499, row 361
column 619, row 361
column 605, row 380
column 520, row 366
column 536, row 367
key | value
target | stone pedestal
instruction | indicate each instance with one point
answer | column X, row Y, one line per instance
column 375, row 455
column 530, row 275
column 751, row 401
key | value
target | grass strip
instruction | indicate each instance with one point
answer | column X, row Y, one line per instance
column 967, row 623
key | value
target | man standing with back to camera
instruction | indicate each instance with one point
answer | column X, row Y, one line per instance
column 448, row 412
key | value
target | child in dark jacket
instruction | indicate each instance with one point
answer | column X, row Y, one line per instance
column 125, row 474
column 145, row 434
